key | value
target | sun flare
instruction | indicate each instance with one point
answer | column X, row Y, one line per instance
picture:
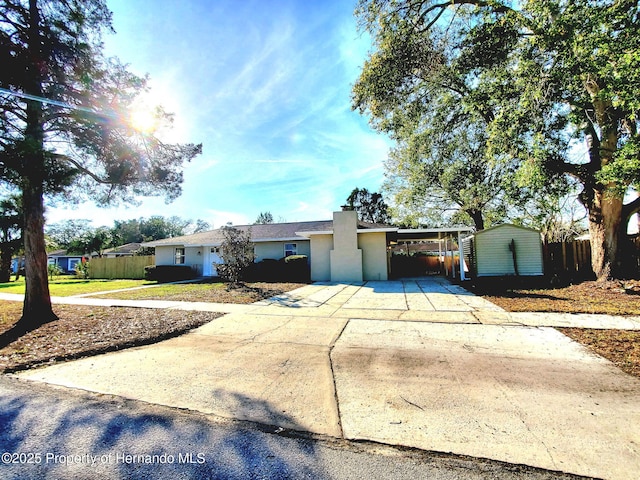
column 152, row 113
column 143, row 116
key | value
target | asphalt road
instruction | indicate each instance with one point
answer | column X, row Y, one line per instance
column 52, row 432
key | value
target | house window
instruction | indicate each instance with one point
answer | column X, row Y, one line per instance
column 72, row 262
column 290, row 249
column 179, row 258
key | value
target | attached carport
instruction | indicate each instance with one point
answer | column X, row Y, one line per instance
column 448, row 241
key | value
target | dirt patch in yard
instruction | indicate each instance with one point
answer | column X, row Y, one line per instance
column 613, row 297
column 621, row 347
column 83, row 331
column 88, row 330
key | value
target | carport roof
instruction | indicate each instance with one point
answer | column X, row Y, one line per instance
column 415, row 234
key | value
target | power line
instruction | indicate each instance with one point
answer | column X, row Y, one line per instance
column 57, row 103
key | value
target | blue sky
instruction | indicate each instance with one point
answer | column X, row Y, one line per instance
column 265, row 87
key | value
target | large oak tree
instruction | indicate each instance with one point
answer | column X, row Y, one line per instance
column 544, row 76
column 64, row 125
column 370, row 206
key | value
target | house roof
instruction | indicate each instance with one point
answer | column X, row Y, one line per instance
column 259, row 233
column 506, row 225
column 269, row 232
column 62, row 253
column 126, row 248
column 296, row 231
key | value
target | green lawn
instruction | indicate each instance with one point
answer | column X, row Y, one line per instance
column 65, row 286
column 181, row 291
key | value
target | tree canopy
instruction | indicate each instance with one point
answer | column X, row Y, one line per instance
column 10, row 234
column 535, row 80
column 370, row 206
column 264, row 218
column 65, row 126
column 79, row 236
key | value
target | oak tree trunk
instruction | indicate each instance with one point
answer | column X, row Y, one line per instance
column 605, row 229
column 478, row 220
column 604, row 205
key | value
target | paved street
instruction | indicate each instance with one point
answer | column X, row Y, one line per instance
column 419, row 363
column 75, row 435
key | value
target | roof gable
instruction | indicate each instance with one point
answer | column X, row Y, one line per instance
column 506, row 225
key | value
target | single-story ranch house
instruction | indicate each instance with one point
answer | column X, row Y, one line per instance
column 65, row 261
column 339, row 250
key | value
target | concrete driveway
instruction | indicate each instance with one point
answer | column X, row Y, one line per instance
column 419, row 363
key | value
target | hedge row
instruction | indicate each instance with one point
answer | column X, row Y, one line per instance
column 168, row 273
column 293, row 268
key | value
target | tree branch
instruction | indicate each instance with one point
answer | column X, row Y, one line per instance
column 82, row 169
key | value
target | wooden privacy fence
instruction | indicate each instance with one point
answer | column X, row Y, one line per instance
column 572, row 257
column 120, row 267
column 418, row 265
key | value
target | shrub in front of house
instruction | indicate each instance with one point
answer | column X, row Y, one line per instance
column 293, row 268
column 168, row 273
column 53, row 270
column 237, row 255
column 267, row 270
column 82, row 269
column 297, row 268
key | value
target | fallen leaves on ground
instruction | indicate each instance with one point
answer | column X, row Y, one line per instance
column 88, row 330
column 82, row 331
column 612, row 297
column 622, row 347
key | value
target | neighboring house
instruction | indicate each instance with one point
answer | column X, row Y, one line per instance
column 339, row 250
column 66, row 262
column 127, row 250
column 17, row 263
column 505, row 250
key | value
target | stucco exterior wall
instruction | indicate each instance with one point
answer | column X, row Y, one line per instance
column 321, row 246
column 494, row 258
column 275, row 250
column 164, row 255
column 374, row 255
column 192, row 258
column 346, row 257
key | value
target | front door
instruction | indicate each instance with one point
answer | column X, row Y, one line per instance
column 211, row 258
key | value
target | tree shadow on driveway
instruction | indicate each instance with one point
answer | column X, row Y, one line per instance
column 78, row 435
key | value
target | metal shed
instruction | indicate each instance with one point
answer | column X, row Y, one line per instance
column 504, row 250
